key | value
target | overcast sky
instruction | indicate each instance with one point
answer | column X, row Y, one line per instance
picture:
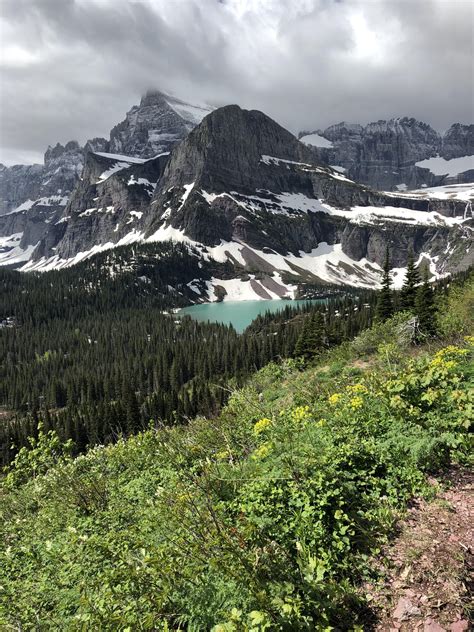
column 70, row 69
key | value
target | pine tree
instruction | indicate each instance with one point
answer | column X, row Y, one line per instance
column 410, row 286
column 311, row 339
column 425, row 308
column 132, row 410
column 384, row 308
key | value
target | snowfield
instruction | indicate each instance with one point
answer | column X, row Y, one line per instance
column 441, row 167
column 316, row 141
column 326, row 263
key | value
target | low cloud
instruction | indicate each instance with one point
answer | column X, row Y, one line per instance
column 69, row 69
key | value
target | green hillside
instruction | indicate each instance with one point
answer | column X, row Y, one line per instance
column 263, row 518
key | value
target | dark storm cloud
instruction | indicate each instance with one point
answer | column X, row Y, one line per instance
column 71, row 68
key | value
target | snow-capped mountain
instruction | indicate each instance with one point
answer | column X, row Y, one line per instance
column 397, row 154
column 155, row 126
column 241, row 189
column 33, row 197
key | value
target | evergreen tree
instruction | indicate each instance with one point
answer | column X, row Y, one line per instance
column 384, row 308
column 311, row 338
column 131, row 408
column 425, row 308
column 410, row 286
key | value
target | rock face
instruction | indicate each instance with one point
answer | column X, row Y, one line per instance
column 155, row 126
column 33, row 196
column 39, row 193
column 241, row 178
column 244, row 191
column 106, row 207
column 57, row 177
column 458, row 141
column 384, row 154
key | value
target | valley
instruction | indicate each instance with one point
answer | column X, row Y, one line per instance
column 236, row 343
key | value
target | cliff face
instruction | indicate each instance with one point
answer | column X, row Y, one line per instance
column 243, row 190
column 385, row 154
column 241, row 178
column 32, row 196
column 107, row 206
column 57, row 177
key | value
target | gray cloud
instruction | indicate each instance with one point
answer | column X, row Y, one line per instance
column 69, row 69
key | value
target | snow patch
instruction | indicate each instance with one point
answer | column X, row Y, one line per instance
column 17, row 255
column 316, row 141
column 441, row 167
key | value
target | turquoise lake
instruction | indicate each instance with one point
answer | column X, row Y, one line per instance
column 239, row 314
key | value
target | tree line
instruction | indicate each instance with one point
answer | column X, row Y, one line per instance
column 92, row 354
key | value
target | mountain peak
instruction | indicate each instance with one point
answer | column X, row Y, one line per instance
column 156, row 125
column 153, row 97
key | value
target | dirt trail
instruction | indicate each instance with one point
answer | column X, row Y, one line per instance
column 428, row 580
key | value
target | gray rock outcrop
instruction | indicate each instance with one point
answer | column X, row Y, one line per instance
column 384, row 154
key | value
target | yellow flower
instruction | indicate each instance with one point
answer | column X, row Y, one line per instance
column 397, row 402
column 263, row 451
column 261, row 425
column 358, row 388
column 321, row 422
column 356, row 402
column 221, row 456
column 300, row 414
column 334, row 398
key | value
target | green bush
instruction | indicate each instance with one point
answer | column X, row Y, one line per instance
column 261, row 519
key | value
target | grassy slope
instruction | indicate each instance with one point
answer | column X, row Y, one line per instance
column 261, row 519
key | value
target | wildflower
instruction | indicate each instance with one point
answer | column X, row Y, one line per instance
column 221, row 456
column 358, row 388
column 263, row 451
column 446, row 359
column 334, row 398
column 356, row 402
column 261, row 425
column 300, row 414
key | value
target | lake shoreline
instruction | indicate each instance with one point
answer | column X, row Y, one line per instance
column 240, row 314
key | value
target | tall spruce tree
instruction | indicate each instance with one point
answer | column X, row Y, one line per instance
column 425, row 308
column 410, row 286
column 384, row 308
column 311, row 339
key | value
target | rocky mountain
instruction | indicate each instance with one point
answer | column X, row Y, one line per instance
column 398, row 154
column 110, row 199
column 155, row 126
column 56, row 177
column 241, row 189
column 32, row 197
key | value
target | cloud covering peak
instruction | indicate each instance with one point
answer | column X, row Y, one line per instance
column 71, row 68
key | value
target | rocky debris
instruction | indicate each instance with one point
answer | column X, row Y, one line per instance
column 384, row 154
column 427, row 571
